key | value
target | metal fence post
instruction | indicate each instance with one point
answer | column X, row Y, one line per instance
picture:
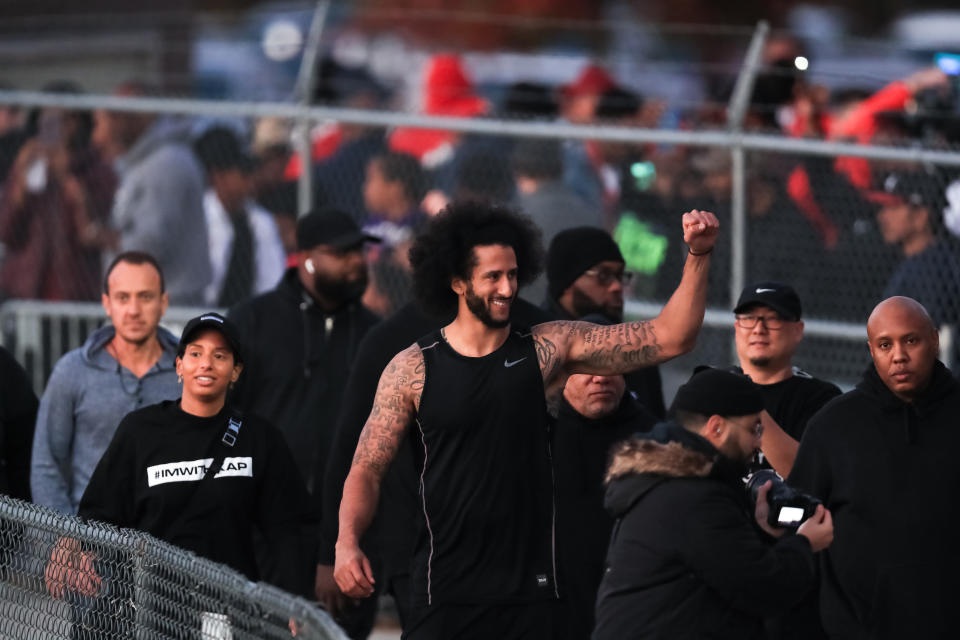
column 736, row 112
column 306, row 81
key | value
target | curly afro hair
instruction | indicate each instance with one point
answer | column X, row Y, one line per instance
column 444, row 249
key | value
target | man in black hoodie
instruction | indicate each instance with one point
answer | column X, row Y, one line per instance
column 883, row 458
column 686, row 557
column 302, row 337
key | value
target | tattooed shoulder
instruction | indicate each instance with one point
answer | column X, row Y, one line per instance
column 397, row 398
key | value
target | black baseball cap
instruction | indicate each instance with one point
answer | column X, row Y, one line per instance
column 330, row 227
column 776, row 295
column 216, row 321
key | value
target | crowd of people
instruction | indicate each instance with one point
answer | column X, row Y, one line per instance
column 217, row 204
column 421, row 390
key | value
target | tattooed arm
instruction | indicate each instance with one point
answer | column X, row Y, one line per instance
column 397, row 398
column 564, row 348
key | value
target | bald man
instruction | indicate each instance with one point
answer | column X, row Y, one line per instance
column 883, row 458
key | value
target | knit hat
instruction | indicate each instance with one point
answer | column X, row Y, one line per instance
column 718, row 392
column 573, row 251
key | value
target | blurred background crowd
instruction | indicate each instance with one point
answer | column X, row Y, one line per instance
column 217, row 197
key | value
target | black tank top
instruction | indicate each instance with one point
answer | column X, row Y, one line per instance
column 486, row 486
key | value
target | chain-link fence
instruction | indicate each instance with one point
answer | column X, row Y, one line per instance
column 840, row 184
column 61, row 577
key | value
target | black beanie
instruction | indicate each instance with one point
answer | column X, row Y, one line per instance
column 573, row 251
column 718, row 392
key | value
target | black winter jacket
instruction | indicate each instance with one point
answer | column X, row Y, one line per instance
column 581, row 451
column 888, row 472
column 297, row 362
column 686, row 559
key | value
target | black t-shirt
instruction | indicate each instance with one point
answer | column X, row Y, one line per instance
column 792, row 402
column 481, row 445
column 148, row 480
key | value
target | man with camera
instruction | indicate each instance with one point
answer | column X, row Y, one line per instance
column 690, row 556
column 883, row 457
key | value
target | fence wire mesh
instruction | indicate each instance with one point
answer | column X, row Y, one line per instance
column 61, row 577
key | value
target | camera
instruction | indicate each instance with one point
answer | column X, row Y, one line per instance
column 788, row 506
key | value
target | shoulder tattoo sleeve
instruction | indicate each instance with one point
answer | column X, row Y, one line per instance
column 397, row 398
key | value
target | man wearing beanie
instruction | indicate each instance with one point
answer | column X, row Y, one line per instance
column 690, row 557
column 302, row 337
column 586, row 277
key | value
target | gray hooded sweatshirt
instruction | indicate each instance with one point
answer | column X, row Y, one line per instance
column 158, row 208
column 86, row 397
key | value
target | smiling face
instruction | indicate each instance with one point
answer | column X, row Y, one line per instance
column 904, row 346
column 208, row 367
column 492, row 288
column 594, row 397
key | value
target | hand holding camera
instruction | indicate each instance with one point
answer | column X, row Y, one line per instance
column 779, row 508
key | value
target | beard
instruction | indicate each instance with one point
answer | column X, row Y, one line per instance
column 760, row 363
column 584, row 305
column 342, row 290
column 481, row 309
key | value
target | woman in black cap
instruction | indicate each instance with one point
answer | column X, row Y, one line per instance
column 198, row 474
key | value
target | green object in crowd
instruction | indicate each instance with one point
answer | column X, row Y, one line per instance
column 643, row 248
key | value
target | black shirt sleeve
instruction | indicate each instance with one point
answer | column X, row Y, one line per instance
column 728, row 552
column 109, row 495
column 811, row 468
column 18, row 417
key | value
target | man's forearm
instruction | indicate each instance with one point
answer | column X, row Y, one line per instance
column 777, row 446
column 361, row 492
column 680, row 319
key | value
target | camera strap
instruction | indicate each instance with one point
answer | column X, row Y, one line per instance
column 219, row 448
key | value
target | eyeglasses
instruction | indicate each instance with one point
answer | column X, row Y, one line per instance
column 749, row 321
column 606, row 277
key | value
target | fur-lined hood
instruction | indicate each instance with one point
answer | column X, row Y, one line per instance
column 646, row 460
column 668, row 450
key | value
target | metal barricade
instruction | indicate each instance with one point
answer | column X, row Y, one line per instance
column 144, row 588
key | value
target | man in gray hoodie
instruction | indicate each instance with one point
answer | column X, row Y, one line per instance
column 123, row 366
column 159, row 202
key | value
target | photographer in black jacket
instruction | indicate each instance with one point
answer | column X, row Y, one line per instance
column 686, row 558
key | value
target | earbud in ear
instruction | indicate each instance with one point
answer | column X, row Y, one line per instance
column 309, row 266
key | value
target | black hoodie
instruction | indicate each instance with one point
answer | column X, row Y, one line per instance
column 297, row 362
column 686, row 558
column 888, row 472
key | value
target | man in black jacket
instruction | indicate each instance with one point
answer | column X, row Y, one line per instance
column 595, row 413
column 302, row 337
column 686, row 558
column 883, row 458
